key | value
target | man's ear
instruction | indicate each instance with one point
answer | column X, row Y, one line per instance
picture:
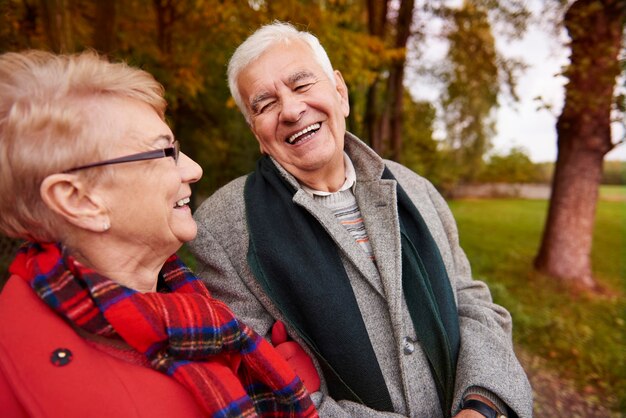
column 261, row 148
column 74, row 201
column 342, row 89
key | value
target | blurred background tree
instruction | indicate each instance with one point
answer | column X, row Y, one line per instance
column 472, row 88
column 596, row 30
column 186, row 44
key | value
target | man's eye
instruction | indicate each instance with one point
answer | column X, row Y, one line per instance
column 265, row 107
column 303, row 87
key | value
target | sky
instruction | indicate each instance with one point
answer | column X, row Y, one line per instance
column 523, row 124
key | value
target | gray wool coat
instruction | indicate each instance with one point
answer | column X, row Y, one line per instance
column 486, row 357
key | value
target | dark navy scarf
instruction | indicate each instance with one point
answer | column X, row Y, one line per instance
column 299, row 266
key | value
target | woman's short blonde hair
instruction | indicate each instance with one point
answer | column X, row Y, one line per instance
column 46, row 127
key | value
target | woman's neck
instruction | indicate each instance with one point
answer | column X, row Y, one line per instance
column 129, row 267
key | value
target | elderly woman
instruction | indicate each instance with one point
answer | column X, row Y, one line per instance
column 98, row 317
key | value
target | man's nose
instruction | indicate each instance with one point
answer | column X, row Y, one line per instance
column 293, row 107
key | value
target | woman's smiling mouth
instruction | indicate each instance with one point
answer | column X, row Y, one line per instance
column 182, row 203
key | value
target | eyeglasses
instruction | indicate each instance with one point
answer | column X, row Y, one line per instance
column 172, row 151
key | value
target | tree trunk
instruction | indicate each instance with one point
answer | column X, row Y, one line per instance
column 377, row 25
column 396, row 78
column 372, row 118
column 584, row 137
column 104, row 31
column 56, row 20
column 166, row 16
column 28, row 24
column 396, row 93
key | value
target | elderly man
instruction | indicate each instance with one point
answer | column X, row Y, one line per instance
column 357, row 256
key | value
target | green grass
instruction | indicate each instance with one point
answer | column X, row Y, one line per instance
column 580, row 335
column 613, row 192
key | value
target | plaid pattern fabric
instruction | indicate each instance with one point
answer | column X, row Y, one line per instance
column 230, row 370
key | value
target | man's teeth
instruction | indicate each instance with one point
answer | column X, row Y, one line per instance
column 182, row 202
column 297, row 135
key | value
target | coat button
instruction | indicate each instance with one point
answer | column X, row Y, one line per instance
column 61, row 357
column 408, row 346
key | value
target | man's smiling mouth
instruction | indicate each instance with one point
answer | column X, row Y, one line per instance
column 304, row 133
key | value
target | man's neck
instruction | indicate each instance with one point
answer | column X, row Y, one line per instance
column 349, row 178
column 330, row 179
column 329, row 185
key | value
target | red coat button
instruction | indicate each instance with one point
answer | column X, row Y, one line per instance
column 61, row 357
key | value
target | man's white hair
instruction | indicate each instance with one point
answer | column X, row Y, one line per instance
column 262, row 39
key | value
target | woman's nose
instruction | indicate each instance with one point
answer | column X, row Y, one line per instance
column 191, row 170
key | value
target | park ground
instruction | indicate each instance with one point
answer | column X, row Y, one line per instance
column 570, row 343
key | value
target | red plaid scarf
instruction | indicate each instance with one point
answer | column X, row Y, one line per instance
column 229, row 369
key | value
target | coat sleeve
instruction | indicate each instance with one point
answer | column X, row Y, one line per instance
column 220, row 249
column 486, row 357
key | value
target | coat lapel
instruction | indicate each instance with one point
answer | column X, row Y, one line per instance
column 342, row 238
column 377, row 202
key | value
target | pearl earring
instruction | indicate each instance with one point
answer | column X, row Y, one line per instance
column 105, row 226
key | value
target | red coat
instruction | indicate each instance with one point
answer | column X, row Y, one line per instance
column 92, row 384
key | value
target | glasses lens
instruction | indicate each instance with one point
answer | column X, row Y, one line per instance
column 172, row 151
column 176, row 150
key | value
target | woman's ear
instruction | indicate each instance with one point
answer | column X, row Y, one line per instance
column 72, row 199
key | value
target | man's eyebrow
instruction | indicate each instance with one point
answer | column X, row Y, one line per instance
column 254, row 103
column 295, row 77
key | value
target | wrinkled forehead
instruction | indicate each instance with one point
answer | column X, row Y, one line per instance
column 280, row 64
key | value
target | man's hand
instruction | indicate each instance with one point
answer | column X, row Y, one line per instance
column 468, row 413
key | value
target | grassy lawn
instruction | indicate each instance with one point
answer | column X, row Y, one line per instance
column 613, row 192
column 582, row 337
